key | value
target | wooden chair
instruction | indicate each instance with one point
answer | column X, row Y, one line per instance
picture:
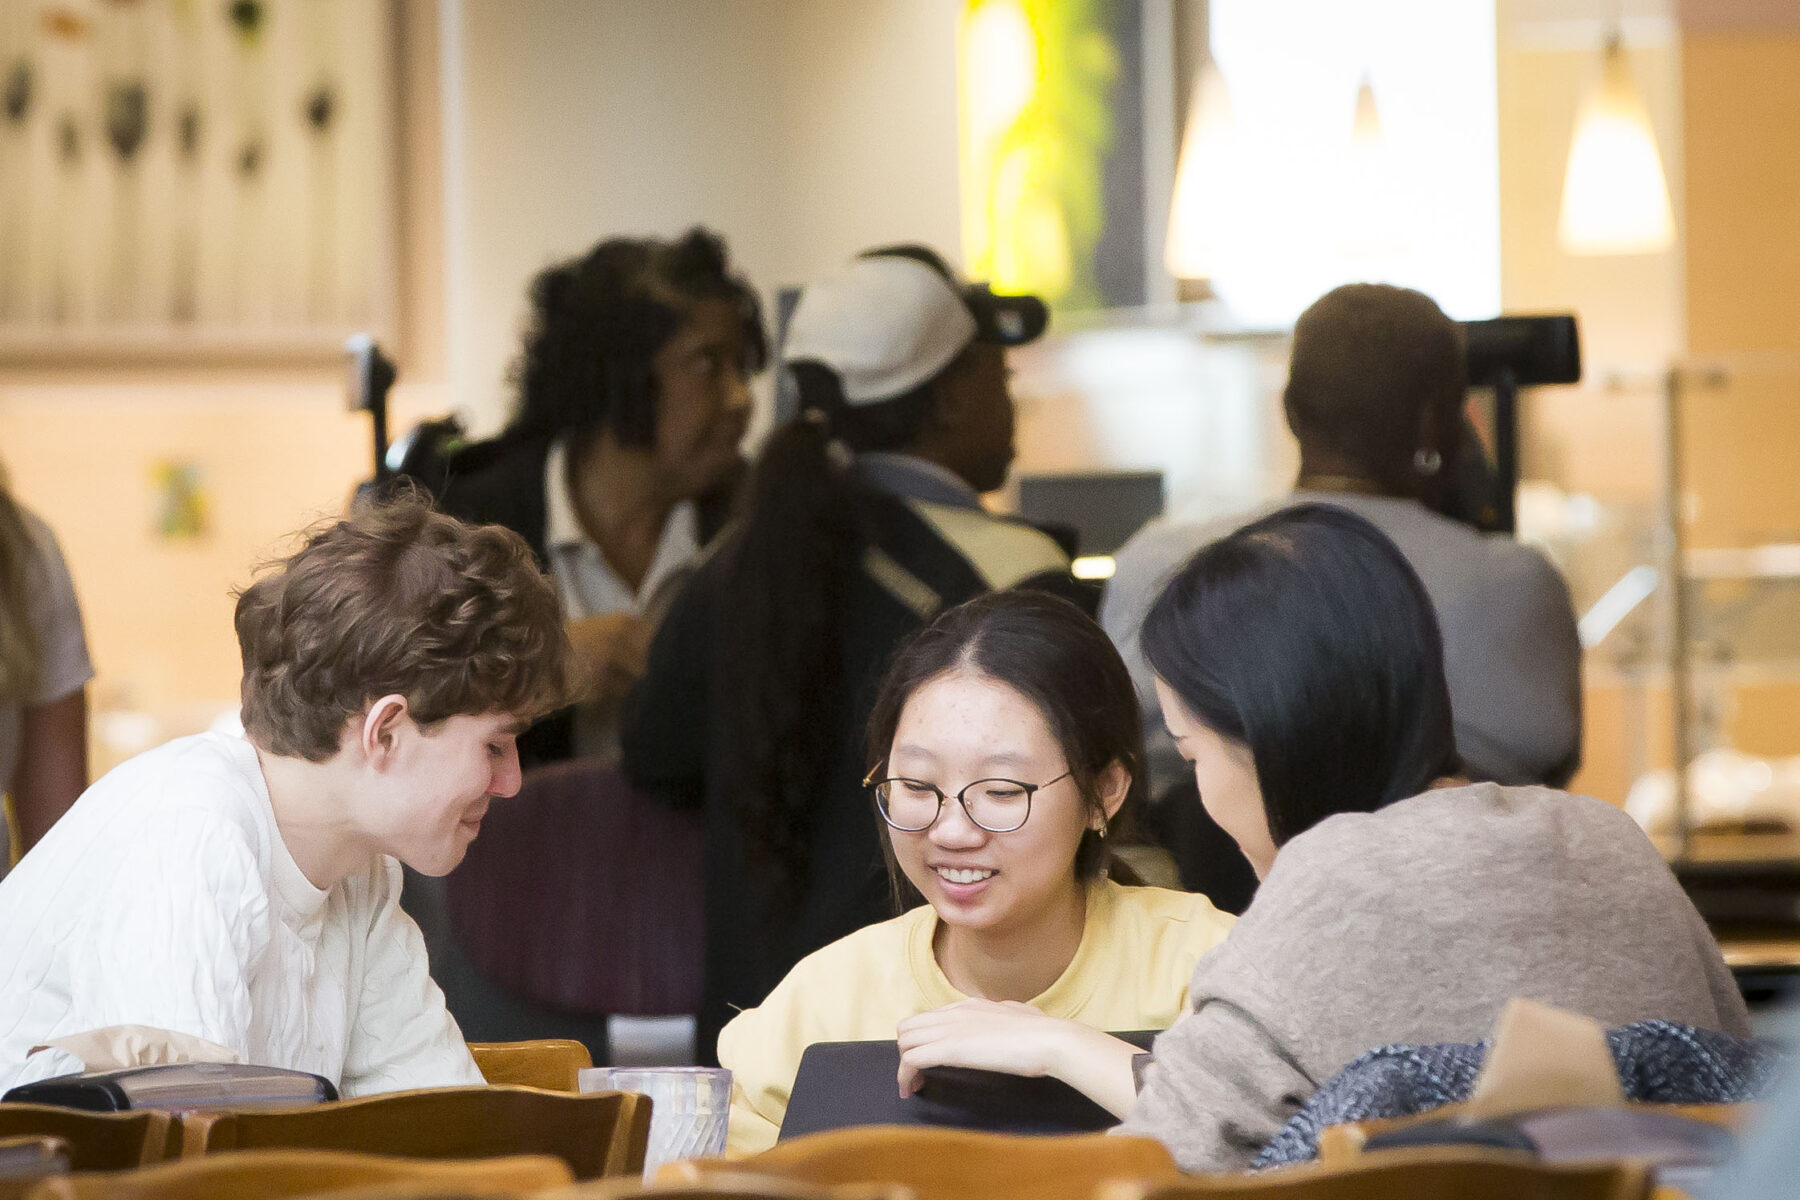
column 726, row 1187
column 1343, row 1143
column 947, row 1164
column 96, row 1141
column 26, row 1160
column 33, row 1157
column 1437, row 1173
column 598, row 1134
column 723, row 1185
column 552, row 1063
column 276, row 1174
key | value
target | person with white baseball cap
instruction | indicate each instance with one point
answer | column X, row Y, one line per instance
column 862, row 522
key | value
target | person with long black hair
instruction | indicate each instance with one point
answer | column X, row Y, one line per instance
column 863, row 521
column 1301, row 675
column 621, row 460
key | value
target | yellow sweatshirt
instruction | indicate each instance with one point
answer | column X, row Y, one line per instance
column 1131, row 971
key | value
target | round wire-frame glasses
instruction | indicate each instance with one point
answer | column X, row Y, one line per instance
column 999, row 804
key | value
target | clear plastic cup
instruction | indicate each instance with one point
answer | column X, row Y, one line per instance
column 689, row 1108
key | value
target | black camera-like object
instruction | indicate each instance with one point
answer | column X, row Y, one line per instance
column 1505, row 354
column 371, row 375
column 1531, row 350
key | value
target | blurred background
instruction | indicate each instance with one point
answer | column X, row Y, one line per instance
column 200, row 200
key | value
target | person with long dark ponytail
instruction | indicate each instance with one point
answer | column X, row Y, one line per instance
column 862, row 521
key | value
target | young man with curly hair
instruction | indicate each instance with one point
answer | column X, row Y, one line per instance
column 245, row 890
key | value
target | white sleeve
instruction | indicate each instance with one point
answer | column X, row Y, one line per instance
column 170, row 940
column 55, row 620
column 402, row 1036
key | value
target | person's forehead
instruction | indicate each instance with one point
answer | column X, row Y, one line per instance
column 711, row 318
column 973, row 707
column 491, row 723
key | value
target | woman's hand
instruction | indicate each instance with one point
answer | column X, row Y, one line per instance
column 1017, row 1039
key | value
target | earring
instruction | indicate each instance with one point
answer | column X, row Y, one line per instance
column 1427, row 461
column 1100, row 829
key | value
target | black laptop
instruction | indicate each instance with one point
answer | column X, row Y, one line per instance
column 840, row 1084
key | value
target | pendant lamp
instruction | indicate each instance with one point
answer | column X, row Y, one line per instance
column 1200, row 220
column 1615, row 197
column 1370, row 204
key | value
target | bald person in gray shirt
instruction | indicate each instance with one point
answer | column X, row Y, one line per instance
column 1374, row 396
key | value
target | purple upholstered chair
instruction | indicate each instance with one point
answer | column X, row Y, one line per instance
column 584, row 895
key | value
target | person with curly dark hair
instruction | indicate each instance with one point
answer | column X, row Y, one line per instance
column 241, row 894
column 621, row 459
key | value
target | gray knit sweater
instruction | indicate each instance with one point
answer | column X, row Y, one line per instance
column 1416, row 924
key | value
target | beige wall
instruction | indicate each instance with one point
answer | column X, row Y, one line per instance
column 566, row 120
column 272, row 454
column 803, row 130
column 1742, row 118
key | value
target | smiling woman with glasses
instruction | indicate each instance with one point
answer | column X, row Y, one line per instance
column 1007, row 756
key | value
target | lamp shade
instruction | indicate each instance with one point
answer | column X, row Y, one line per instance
column 1200, row 220
column 1370, row 204
column 1615, row 197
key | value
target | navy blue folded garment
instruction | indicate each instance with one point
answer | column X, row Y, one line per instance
column 1659, row 1062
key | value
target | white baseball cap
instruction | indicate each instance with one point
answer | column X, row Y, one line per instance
column 889, row 321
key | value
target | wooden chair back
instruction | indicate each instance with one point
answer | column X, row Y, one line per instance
column 553, row 1064
column 947, row 1164
column 1435, row 1173
column 26, row 1160
column 722, row 1185
column 1343, row 1143
column 275, row 1174
column 33, row 1157
column 597, row 1134
column 96, row 1141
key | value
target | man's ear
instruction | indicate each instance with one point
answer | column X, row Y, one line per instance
column 381, row 728
column 1115, row 785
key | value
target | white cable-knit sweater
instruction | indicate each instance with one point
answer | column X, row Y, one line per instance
column 166, row 897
